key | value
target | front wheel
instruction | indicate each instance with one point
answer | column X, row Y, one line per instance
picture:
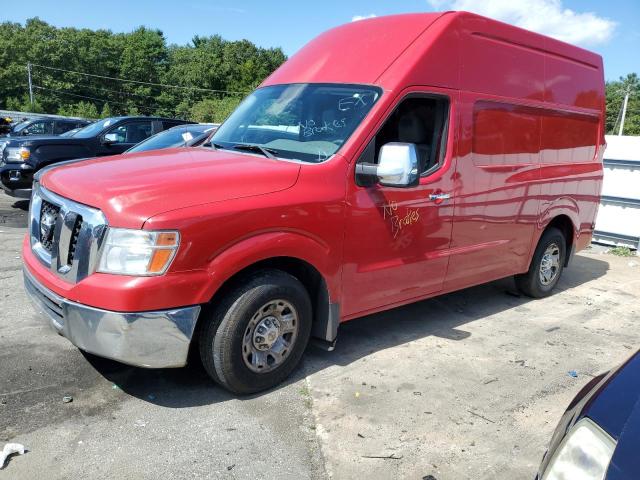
column 546, row 265
column 255, row 336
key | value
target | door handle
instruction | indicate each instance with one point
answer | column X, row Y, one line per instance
column 439, row 197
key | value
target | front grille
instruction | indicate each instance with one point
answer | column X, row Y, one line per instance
column 75, row 233
column 66, row 236
column 48, row 218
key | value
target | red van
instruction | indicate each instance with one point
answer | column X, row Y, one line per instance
column 388, row 161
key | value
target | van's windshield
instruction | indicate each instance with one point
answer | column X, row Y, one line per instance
column 307, row 122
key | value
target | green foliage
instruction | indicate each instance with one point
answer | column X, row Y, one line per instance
column 213, row 110
column 80, row 109
column 143, row 55
column 622, row 252
column 106, row 111
column 615, row 97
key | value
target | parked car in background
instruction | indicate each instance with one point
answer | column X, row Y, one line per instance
column 21, row 158
column 180, row 136
column 45, row 126
column 345, row 185
column 599, row 434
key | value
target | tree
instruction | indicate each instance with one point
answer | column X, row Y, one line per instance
column 214, row 110
column 80, row 109
column 205, row 72
column 615, row 97
column 106, row 111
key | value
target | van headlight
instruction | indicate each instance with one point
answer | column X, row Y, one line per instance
column 17, row 155
column 138, row 252
column 584, row 453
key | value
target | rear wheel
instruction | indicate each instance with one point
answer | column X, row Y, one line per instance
column 255, row 336
column 546, row 265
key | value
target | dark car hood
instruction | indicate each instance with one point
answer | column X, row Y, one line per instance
column 613, row 404
column 52, row 139
column 131, row 188
column 615, row 407
column 31, row 139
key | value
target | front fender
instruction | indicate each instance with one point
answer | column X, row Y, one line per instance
column 248, row 251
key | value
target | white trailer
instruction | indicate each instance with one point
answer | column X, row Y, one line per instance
column 618, row 221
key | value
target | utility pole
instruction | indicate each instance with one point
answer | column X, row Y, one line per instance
column 624, row 109
column 31, row 86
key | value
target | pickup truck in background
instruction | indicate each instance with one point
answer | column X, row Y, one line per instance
column 23, row 157
column 388, row 161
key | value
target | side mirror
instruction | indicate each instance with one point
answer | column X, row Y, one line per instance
column 397, row 165
column 109, row 138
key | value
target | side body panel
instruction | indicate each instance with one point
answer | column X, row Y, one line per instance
column 496, row 192
column 530, row 137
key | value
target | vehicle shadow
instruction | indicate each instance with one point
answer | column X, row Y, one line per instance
column 443, row 316
column 22, row 205
column 14, row 215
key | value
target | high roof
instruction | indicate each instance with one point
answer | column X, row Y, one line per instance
column 357, row 52
column 457, row 50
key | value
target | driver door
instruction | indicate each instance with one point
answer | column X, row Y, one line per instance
column 397, row 239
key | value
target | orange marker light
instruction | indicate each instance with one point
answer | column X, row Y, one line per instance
column 159, row 260
column 167, row 239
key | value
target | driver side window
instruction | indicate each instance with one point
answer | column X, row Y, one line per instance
column 419, row 120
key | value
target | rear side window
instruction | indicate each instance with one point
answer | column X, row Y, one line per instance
column 569, row 138
column 505, row 134
column 132, row 132
column 167, row 124
column 61, row 127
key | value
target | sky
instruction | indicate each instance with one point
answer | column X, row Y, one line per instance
column 610, row 28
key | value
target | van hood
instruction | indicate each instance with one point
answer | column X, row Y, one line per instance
column 131, row 188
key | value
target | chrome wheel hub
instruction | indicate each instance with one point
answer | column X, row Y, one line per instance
column 270, row 336
column 550, row 264
column 266, row 333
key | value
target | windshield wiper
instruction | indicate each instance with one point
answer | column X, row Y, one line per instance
column 267, row 152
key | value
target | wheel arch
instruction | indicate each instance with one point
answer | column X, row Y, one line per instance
column 564, row 223
column 303, row 257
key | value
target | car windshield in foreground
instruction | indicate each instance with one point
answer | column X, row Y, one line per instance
column 95, row 128
column 174, row 137
column 307, row 122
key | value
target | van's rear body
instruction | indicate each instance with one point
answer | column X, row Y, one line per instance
column 502, row 131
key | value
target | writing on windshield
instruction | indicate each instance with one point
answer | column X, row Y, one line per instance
column 308, row 122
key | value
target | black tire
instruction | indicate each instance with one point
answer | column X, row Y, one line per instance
column 221, row 338
column 531, row 283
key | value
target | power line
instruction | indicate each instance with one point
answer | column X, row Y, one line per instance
column 113, row 91
column 231, row 92
column 88, row 98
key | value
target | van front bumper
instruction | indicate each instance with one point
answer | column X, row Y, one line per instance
column 158, row 339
